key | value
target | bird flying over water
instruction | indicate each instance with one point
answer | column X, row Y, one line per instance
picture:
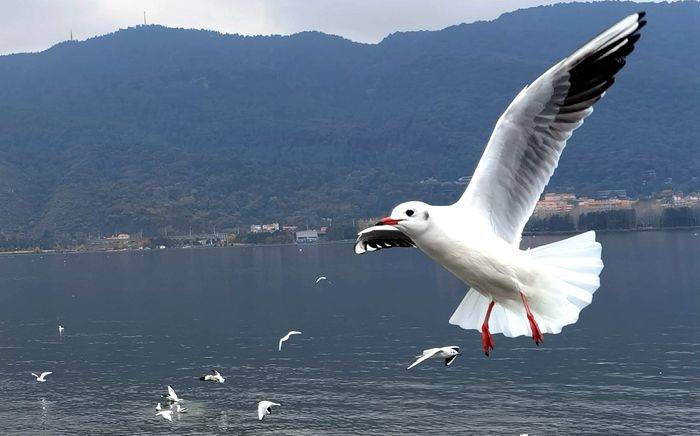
column 448, row 353
column 214, row 376
column 42, row 378
column 265, row 408
column 171, row 396
column 518, row 292
column 287, row 336
column 321, row 278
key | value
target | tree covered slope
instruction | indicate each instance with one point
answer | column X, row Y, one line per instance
column 151, row 127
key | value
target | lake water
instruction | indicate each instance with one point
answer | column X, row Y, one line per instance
column 137, row 321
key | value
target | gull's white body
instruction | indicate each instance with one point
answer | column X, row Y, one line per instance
column 285, row 338
column 478, row 237
column 214, row 376
column 165, row 414
column 471, row 251
column 60, row 329
column 265, row 408
column 447, row 353
column 500, row 272
column 42, row 377
column 179, row 408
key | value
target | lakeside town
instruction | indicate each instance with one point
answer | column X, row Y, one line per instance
column 610, row 210
column 614, row 210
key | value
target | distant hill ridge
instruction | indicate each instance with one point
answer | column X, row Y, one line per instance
column 152, row 127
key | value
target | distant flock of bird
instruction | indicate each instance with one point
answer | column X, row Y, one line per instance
column 173, row 401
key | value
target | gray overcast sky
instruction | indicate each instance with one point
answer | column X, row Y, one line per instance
column 34, row 25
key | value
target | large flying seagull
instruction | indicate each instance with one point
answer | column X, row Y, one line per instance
column 518, row 292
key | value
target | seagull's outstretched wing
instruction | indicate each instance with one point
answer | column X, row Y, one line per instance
column 427, row 354
column 171, row 392
column 378, row 237
column 528, row 139
column 279, row 346
column 44, row 374
column 293, row 332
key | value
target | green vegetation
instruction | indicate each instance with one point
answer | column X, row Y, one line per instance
column 151, row 128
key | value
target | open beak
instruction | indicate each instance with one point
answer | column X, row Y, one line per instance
column 388, row 222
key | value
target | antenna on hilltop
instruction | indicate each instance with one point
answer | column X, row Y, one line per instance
column 144, row 18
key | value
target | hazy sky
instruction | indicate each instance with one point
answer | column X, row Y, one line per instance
column 34, row 25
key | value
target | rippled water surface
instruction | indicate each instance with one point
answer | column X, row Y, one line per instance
column 138, row 321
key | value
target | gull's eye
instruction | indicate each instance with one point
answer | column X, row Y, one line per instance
column 410, row 212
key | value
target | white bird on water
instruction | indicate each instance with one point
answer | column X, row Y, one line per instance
column 172, row 396
column 448, row 353
column 42, row 378
column 179, row 408
column 214, row 376
column 60, row 329
column 287, row 336
column 518, row 292
column 159, row 407
column 265, row 408
column 165, row 414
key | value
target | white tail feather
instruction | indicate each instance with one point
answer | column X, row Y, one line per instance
column 568, row 278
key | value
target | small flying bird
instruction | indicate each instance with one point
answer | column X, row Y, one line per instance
column 42, row 378
column 166, row 414
column 518, row 292
column 447, row 353
column 265, row 408
column 321, row 278
column 293, row 332
column 172, row 396
column 60, row 329
column 159, row 407
column 214, row 376
column 180, row 409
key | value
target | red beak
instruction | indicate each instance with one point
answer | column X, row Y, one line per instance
column 388, row 222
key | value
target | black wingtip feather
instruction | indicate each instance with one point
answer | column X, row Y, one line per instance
column 589, row 93
column 633, row 38
column 625, row 51
column 641, row 14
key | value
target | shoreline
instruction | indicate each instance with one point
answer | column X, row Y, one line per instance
column 342, row 241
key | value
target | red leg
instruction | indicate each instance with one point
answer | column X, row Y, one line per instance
column 536, row 333
column 486, row 339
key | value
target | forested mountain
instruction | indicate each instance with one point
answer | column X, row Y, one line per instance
column 151, row 127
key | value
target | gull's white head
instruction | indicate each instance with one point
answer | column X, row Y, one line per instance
column 451, row 351
column 412, row 218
